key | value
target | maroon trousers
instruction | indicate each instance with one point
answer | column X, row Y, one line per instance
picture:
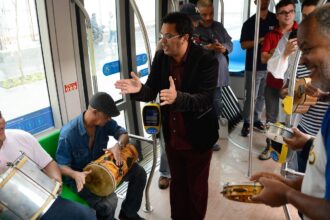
column 189, row 184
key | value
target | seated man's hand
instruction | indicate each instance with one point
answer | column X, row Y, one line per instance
column 80, row 178
column 298, row 140
column 274, row 192
column 117, row 154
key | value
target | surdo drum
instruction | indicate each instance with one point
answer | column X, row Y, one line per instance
column 25, row 191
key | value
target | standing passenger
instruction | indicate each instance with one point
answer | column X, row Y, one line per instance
column 164, row 170
column 280, row 63
column 219, row 41
column 285, row 14
column 267, row 23
column 185, row 75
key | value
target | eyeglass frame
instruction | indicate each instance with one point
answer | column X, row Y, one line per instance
column 286, row 12
column 167, row 37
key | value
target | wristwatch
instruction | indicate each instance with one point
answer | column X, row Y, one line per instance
column 121, row 145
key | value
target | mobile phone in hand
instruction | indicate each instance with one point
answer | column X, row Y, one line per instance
column 293, row 34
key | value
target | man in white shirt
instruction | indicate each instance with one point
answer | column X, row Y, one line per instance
column 13, row 141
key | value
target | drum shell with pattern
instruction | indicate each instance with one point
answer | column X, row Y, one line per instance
column 106, row 175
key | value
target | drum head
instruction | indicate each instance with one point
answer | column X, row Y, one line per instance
column 241, row 192
column 100, row 181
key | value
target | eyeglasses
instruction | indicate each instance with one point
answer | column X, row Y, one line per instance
column 168, row 36
column 286, row 12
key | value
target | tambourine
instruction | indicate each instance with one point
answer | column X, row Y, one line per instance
column 277, row 131
column 242, row 192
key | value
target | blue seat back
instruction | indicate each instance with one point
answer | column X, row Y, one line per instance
column 237, row 58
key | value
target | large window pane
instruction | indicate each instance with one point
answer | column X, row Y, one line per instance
column 23, row 88
column 233, row 19
column 104, row 28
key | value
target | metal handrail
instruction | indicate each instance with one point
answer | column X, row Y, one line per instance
column 144, row 31
column 90, row 44
column 222, row 18
column 253, row 87
column 148, row 207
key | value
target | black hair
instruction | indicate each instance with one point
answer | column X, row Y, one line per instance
column 284, row 3
column 309, row 3
column 183, row 23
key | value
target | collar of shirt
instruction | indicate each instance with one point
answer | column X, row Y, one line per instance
column 81, row 126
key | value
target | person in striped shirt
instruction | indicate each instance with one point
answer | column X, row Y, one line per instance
column 279, row 64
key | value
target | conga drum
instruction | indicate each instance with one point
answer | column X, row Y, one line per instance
column 25, row 191
column 106, row 175
column 242, row 192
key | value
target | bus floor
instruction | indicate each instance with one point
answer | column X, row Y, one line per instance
column 230, row 164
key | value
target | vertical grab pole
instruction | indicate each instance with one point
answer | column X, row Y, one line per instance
column 253, row 87
column 90, row 44
column 148, row 207
column 222, row 19
column 144, row 31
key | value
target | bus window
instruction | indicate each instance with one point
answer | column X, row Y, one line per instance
column 24, row 97
column 104, row 28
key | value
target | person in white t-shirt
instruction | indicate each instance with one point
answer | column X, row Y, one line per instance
column 12, row 141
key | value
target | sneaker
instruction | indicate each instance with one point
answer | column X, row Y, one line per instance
column 245, row 130
column 122, row 216
column 163, row 182
column 265, row 154
column 216, row 147
column 259, row 126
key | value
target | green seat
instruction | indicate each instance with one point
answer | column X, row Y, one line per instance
column 49, row 143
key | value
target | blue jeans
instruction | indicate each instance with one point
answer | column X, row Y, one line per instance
column 164, row 169
column 63, row 209
column 259, row 95
column 217, row 101
column 106, row 206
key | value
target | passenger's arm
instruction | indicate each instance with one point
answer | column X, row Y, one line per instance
column 276, row 193
column 298, row 140
column 52, row 170
column 265, row 56
column 314, row 208
column 293, row 183
column 250, row 43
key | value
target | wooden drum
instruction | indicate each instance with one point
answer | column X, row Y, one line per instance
column 106, row 175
